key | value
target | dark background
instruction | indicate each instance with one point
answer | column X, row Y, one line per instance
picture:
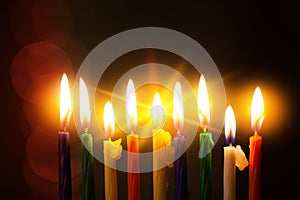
column 250, row 42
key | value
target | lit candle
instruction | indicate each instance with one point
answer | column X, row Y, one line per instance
column 233, row 156
column 180, row 146
column 206, row 142
column 257, row 117
column 162, row 150
column 112, row 152
column 88, row 186
column 65, row 183
column 133, row 177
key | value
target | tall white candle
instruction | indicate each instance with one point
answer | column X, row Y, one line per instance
column 233, row 156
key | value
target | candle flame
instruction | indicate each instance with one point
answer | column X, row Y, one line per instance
column 230, row 125
column 109, row 120
column 157, row 112
column 85, row 113
column 131, row 109
column 203, row 104
column 178, row 112
column 65, row 102
column 257, row 110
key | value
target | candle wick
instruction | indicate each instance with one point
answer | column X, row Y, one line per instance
column 205, row 129
column 255, row 133
column 178, row 132
column 64, row 124
column 86, row 130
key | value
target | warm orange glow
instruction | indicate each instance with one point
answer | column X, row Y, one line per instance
column 131, row 107
column 203, row 103
column 157, row 112
column 85, row 113
column 109, row 120
column 65, row 102
column 178, row 112
column 230, row 125
column 257, row 110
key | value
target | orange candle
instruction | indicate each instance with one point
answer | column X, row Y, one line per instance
column 133, row 145
column 257, row 117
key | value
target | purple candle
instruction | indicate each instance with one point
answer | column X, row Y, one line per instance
column 180, row 168
column 180, row 146
column 64, row 164
column 65, row 186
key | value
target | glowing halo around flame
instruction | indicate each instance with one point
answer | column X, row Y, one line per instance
column 95, row 64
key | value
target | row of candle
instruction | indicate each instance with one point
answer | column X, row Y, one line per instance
column 233, row 156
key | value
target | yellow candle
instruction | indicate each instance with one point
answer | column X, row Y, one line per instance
column 163, row 151
column 112, row 152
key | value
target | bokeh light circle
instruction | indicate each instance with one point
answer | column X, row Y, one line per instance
column 175, row 42
column 37, row 68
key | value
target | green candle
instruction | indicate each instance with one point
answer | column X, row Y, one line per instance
column 88, row 187
column 206, row 144
column 205, row 140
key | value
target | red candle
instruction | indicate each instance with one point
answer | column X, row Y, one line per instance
column 257, row 117
column 133, row 162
